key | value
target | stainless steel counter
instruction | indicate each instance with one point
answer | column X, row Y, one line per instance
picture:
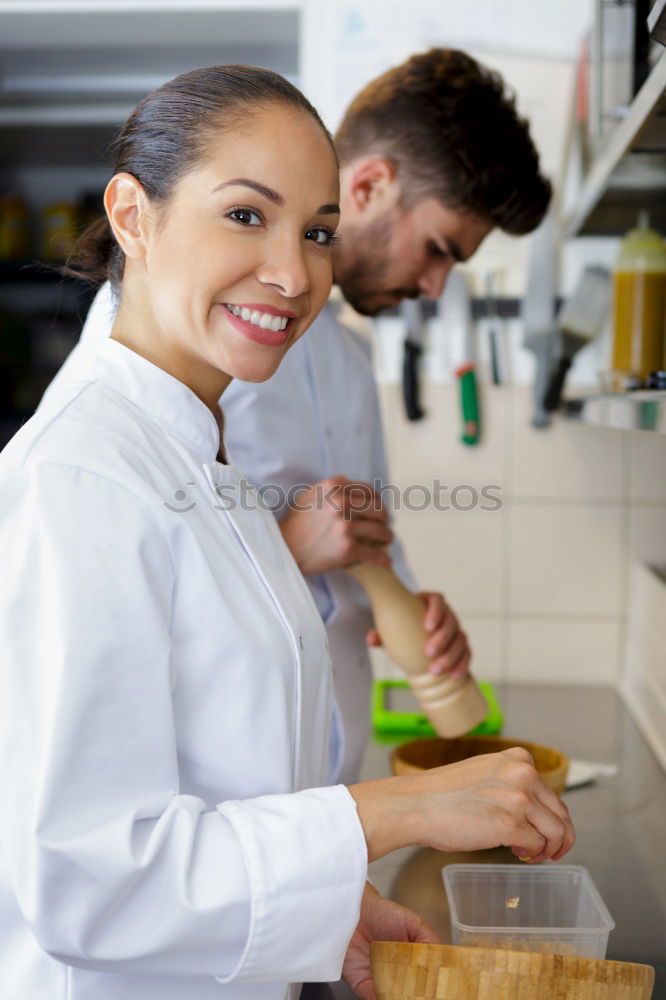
column 620, row 822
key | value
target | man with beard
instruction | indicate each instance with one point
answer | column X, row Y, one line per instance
column 433, row 156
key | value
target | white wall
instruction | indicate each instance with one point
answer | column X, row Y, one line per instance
column 358, row 39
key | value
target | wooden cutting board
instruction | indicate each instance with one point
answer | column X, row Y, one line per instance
column 404, row 971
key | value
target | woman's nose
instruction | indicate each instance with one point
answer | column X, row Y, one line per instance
column 285, row 268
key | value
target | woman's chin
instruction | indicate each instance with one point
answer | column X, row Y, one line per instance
column 255, row 373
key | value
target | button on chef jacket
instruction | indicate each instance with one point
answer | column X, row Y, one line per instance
column 165, row 707
column 316, row 417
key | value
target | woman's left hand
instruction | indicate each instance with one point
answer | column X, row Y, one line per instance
column 447, row 644
column 381, row 920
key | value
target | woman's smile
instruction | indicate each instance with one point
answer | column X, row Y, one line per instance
column 261, row 323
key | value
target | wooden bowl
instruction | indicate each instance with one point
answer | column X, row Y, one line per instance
column 419, row 755
column 405, row 971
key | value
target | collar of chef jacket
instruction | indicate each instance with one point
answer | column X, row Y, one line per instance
column 157, row 393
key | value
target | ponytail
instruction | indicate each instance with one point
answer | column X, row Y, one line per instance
column 96, row 257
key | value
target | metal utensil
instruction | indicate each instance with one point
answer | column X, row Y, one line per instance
column 412, row 313
column 538, row 311
column 579, row 321
column 493, row 327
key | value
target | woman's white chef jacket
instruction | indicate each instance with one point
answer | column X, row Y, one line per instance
column 317, row 416
column 165, row 705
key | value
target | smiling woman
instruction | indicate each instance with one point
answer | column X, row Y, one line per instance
column 189, row 265
column 223, row 259
column 166, row 711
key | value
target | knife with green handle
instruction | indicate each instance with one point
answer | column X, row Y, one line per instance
column 456, row 312
column 469, row 404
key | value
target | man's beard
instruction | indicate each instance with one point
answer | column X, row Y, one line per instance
column 361, row 273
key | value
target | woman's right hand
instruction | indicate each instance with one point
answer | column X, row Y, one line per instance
column 491, row 800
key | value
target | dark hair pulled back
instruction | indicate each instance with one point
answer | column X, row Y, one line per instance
column 168, row 133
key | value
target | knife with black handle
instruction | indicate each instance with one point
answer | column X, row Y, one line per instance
column 413, row 349
column 580, row 319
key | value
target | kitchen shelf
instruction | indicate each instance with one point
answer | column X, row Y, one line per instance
column 54, row 24
column 629, row 171
column 643, row 410
column 89, row 62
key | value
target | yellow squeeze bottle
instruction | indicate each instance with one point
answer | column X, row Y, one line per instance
column 639, row 305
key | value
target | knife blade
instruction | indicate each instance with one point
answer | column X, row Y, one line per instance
column 579, row 321
column 494, row 327
column 538, row 311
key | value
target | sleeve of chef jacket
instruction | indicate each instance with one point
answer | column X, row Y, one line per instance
column 114, row 868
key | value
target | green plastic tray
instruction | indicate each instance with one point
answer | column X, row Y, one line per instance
column 391, row 726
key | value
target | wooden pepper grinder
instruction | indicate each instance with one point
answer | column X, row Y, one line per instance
column 453, row 706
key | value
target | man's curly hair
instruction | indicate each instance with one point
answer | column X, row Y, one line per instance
column 452, row 132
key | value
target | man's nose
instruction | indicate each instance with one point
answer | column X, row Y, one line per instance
column 432, row 281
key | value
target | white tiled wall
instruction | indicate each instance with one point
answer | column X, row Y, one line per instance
column 648, row 469
column 542, row 584
column 556, row 464
column 568, row 652
column 459, row 553
column 565, row 559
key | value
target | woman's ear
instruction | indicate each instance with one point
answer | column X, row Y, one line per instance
column 126, row 205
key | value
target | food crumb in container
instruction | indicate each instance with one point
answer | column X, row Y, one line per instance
column 511, row 902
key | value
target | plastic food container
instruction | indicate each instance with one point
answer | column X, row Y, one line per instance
column 545, row 908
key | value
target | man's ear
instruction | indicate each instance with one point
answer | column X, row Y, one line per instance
column 126, row 205
column 372, row 185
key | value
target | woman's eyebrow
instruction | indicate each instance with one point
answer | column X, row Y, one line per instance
column 272, row 195
column 267, row 192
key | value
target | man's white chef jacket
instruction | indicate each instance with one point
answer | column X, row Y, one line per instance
column 317, row 416
column 164, row 689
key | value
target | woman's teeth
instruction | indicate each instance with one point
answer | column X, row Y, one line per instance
column 264, row 320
